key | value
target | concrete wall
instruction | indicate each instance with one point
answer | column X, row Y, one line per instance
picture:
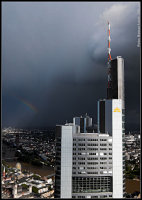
column 113, row 121
column 117, row 149
column 66, row 162
column 120, row 69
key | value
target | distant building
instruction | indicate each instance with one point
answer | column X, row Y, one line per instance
column 18, row 166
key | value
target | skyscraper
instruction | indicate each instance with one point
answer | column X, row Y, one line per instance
column 91, row 164
column 116, row 91
column 105, row 110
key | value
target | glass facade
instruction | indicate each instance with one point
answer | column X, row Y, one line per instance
column 92, row 184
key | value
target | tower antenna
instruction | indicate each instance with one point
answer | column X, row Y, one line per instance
column 109, row 64
column 109, row 39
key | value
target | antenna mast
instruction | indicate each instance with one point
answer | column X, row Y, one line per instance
column 109, row 39
column 109, row 64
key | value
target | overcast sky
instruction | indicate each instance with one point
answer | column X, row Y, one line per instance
column 54, row 60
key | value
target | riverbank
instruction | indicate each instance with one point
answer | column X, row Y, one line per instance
column 132, row 185
column 9, row 152
column 42, row 171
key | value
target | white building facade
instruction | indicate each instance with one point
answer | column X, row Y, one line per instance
column 90, row 165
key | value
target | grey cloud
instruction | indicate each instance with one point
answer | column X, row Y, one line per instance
column 54, row 55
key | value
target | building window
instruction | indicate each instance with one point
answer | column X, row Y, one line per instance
column 103, row 158
column 81, row 197
column 80, row 149
column 103, row 144
column 81, row 144
column 81, row 163
column 92, row 153
column 92, row 144
column 103, row 139
column 92, row 167
column 103, row 163
column 81, row 158
column 92, row 158
column 81, row 139
column 92, row 149
column 92, row 184
column 92, row 139
column 92, row 163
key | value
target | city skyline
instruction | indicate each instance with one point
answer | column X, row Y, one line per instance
column 54, row 60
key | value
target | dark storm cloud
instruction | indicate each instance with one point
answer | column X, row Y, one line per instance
column 54, row 56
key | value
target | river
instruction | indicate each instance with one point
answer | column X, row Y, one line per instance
column 42, row 171
column 131, row 185
column 9, row 152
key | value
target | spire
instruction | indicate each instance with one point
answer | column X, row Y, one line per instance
column 109, row 60
column 109, row 39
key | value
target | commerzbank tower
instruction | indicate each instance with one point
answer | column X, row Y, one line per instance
column 90, row 159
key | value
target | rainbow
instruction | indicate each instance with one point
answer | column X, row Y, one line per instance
column 28, row 104
column 32, row 107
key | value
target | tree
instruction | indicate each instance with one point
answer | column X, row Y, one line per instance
column 34, row 189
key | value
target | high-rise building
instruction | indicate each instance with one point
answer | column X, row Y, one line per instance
column 83, row 163
column 110, row 120
column 91, row 164
column 116, row 91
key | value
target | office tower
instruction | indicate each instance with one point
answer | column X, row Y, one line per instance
column 112, row 112
column 116, row 91
column 64, row 154
column 83, row 163
column 91, row 164
column 84, row 122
